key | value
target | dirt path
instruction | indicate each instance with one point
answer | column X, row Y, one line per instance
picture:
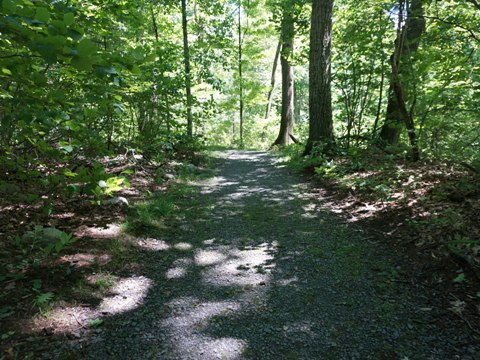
column 252, row 268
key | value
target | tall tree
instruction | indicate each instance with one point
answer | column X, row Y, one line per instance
column 320, row 70
column 407, row 42
column 287, row 38
column 188, row 78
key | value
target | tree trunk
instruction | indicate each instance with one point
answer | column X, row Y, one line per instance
column 320, row 97
column 186, row 60
column 286, row 122
column 297, row 103
column 240, row 74
column 406, row 43
column 379, row 105
column 404, row 115
column 154, row 23
column 272, row 79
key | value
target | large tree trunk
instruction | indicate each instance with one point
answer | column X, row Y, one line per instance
column 390, row 131
column 320, row 99
column 188, row 79
column 406, row 43
column 404, row 115
column 272, row 79
column 286, row 122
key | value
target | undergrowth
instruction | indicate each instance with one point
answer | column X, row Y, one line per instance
column 437, row 201
column 44, row 268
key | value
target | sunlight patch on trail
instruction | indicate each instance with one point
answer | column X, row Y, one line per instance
column 183, row 246
column 242, row 267
column 128, row 295
column 310, row 211
column 179, row 269
column 110, row 231
column 209, row 257
column 176, row 272
column 214, row 183
column 191, row 317
column 153, row 244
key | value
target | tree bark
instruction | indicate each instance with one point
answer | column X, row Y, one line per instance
column 286, row 121
column 379, row 105
column 406, row 43
column 188, row 79
column 154, row 23
column 272, row 79
column 403, row 113
column 240, row 74
column 320, row 96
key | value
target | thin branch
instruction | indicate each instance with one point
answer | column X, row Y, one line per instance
column 470, row 31
column 20, row 55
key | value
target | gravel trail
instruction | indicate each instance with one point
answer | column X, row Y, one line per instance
column 254, row 268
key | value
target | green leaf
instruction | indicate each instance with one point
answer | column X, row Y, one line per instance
column 42, row 14
column 67, row 148
column 95, row 323
column 48, row 52
column 9, row 6
column 69, row 173
column 84, row 58
column 86, row 48
column 26, row 11
column 82, row 63
column 6, row 71
column 58, row 40
column 6, row 335
column 5, row 94
column 44, row 298
column 136, row 70
column 68, row 19
column 37, row 284
column 47, row 209
column 460, row 278
column 40, row 80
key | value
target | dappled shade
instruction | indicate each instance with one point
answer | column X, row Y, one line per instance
column 254, row 268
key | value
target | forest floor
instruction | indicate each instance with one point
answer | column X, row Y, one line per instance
column 247, row 261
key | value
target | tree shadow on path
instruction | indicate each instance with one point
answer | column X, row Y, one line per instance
column 256, row 269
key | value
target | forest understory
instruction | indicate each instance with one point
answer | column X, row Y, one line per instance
column 91, row 232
